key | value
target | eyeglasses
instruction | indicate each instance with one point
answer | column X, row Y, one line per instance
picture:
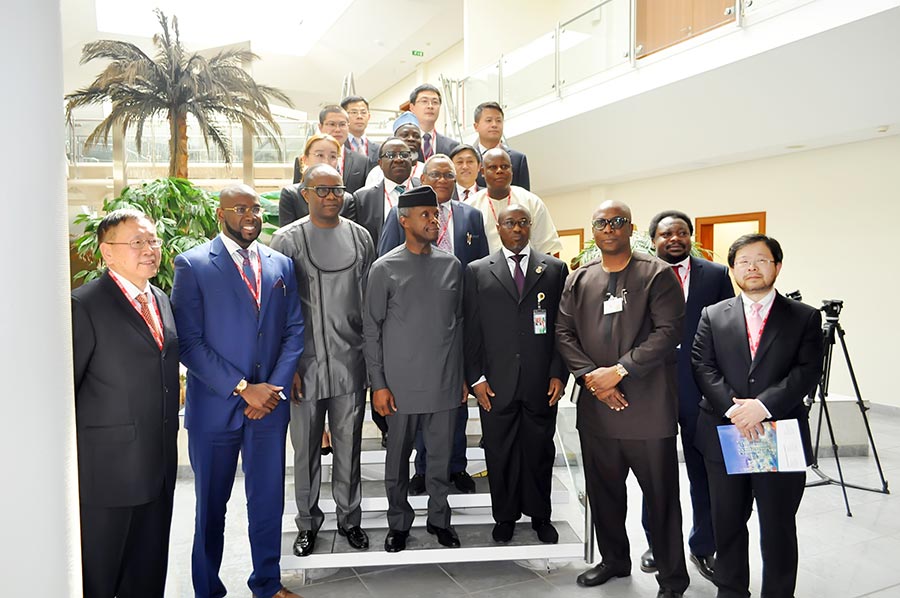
column 510, row 224
column 358, row 112
column 614, row 223
column 341, row 125
column 401, row 155
column 428, row 102
column 434, row 175
column 743, row 264
column 139, row 244
column 241, row 210
column 323, row 190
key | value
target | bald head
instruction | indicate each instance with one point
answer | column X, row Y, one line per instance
column 319, row 171
column 497, row 170
column 513, row 211
column 240, row 214
column 613, row 205
column 514, row 227
column 228, row 195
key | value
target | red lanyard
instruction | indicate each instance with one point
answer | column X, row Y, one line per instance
column 257, row 272
column 446, row 225
column 754, row 343
column 491, row 203
column 155, row 327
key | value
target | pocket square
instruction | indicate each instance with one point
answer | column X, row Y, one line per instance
column 279, row 284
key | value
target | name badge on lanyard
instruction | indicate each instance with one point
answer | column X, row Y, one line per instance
column 612, row 305
column 539, row 316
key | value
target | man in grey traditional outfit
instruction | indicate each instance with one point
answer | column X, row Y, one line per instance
column 413, row 346
column 332, row 257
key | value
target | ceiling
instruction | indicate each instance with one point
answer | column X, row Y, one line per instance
column 373, row 40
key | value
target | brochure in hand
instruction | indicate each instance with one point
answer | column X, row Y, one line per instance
column 780, row 448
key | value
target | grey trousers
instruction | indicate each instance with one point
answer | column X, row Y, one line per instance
column 345, row 417
column 437, row 431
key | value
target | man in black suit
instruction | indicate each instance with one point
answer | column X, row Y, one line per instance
column 489, row 126
column 755, row 358
column 425, row 103
column 357, row 108
column 462, row 234
column 125, row 351
column 703, row 283
column 353, row 166
column 512, row 364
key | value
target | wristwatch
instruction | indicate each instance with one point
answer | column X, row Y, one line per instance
column 620, row 370
column 241, row 386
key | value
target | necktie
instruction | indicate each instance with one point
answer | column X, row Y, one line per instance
column 249, row 274
column 148, row 318
column 754, row 328
column 466, row 195
column 518, row 275
column 677, row 268
column 426, row 147
column 444, row 238
column 355, row 144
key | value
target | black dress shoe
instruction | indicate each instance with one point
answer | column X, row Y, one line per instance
column 395, row 541
column 599, row 575
column 417, row 484
column 546, row 533
column 463, row 482
column 503, row 531
column 356, row 537
column 384, row 440
column 304, row 543
column 648, row 563
column 667, row 593
column 706, row 565
column 445, row 535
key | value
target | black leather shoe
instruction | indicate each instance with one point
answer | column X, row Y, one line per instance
column 546, row 533
column 395, row 541
column 445, row 535
column 599, row 575
column 706, row 565
column 667, row 593
column 503, row 531
column 356, row 537
column 384, row 440
column 304, row 543
column 417, row 484
column 648, row 563
column 463, row 482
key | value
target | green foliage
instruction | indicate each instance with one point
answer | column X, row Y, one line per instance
column 185, row 217
column 640, row 241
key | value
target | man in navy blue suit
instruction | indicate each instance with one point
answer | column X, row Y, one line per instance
column 462, row 234
column 704, row 283
column 237, row 312
column 489, row 126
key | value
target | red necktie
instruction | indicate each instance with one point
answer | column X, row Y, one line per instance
column 148, row 318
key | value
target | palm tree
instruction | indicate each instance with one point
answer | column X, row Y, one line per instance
column 177, row 84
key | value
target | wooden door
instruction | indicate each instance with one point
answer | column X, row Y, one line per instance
column 663, row 23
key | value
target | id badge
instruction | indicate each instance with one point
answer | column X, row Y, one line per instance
column 540, row 321
column 612, row 305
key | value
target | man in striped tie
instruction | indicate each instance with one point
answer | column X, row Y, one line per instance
column 125, row 354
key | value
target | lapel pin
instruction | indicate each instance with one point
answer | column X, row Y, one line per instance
column 468, row 238
column 539, row 269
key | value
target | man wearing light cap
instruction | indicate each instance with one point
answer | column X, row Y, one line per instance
column 406, row 127
column 412, row 326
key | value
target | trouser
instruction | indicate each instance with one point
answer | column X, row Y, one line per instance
column 458, row 459
column 437, row 429
column 345, row 417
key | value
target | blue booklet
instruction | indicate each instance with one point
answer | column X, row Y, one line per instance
column 780, row 448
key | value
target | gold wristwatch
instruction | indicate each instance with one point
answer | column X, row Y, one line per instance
column 241, row 386
column 620, row 370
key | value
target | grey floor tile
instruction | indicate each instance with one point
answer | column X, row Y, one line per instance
column 341, row 588
column 536, row 588
column 475, row 577
column 412, row 582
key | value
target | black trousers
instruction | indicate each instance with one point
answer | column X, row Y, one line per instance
column 519, row 452
column 777, row 500
column 125, row 550
column 655, row 465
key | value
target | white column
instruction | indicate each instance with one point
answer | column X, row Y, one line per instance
column 39, row 500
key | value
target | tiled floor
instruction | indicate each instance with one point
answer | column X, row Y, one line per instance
column 840, row 556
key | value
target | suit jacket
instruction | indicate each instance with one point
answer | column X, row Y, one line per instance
column 292, row 206
column 469, row 240
column 500, row 342
column 126, row 397
column 785, row 369
column 371, row 155
column 443, row 144
column 224, row 339
column 366, row 208
column 708, row 285
column 521, row 177
column 642, row 337
column 355, row 168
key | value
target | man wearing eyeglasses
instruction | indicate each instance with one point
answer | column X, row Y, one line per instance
column 332, row 257
column 125, row 356
column 241, row 331
column 501, row 193
column 353, row 166
column 425, row 103
column 620, row 318
column 357, row 108
column 513, row 367
column 462, row 234
column 755, row 357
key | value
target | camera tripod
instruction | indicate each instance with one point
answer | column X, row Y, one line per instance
column 832, row 330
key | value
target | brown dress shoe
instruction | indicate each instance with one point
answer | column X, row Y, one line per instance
column 285, row 593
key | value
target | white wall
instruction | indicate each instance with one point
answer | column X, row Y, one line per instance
column 835, row 212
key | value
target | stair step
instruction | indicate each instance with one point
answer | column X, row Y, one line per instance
column 373, row 453
column 472, row 405
column 374, row 498
column 333, row 551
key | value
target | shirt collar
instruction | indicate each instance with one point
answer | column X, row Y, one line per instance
column 233, row 247
column 764, row 303
column 508, row 254
column 129, row 287
column 685, row 263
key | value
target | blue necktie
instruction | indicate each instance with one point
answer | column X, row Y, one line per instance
column 427, row 146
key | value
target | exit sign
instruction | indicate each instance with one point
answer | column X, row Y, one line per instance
column 418, row 53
